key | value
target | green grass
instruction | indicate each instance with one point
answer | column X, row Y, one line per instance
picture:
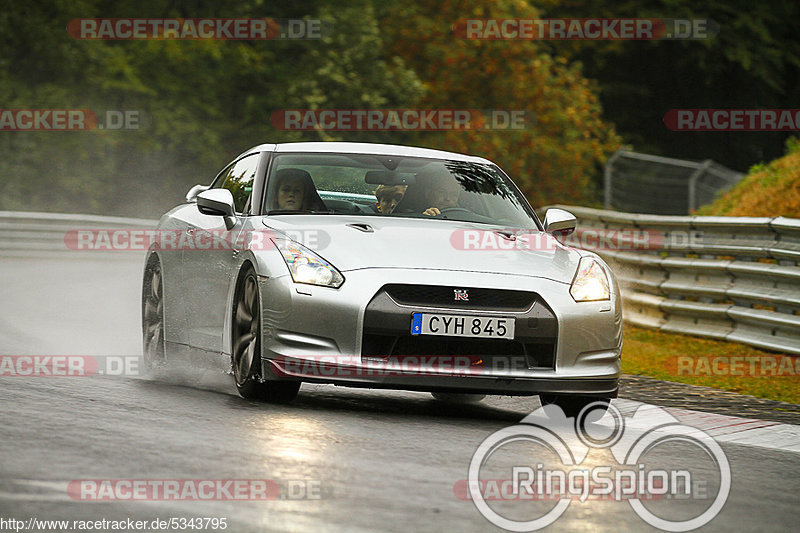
column 682, row 358
column 768, row 190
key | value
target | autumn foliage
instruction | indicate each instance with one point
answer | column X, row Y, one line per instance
column 552, row 160
column 207, row 101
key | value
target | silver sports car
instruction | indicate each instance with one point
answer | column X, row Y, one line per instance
column 379, row 266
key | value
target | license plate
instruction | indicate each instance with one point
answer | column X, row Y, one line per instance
column 462, row 326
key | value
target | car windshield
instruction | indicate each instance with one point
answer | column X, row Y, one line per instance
column 395, row 186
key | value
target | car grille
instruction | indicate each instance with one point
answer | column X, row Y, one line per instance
column 497, row 354
column 387, row 327
column 444, row 297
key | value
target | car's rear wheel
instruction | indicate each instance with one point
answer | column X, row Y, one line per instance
column 153, row 343
column 573, row 405
column 246, row 349
column 457, row 397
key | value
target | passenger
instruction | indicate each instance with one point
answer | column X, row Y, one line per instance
column 294, row 191
column 389, row 196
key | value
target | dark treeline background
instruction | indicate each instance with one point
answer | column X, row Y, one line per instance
column 206, row 101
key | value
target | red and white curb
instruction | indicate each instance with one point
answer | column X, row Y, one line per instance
column 723, row 428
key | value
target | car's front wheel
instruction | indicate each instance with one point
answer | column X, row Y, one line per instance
column 246, row 349
column 153, row 345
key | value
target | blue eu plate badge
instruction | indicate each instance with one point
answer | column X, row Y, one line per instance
column 416, row 323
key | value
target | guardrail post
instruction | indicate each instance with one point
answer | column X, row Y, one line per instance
column 607, row 179
column 693, row 183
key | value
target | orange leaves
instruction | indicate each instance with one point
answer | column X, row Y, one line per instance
column 552, row 159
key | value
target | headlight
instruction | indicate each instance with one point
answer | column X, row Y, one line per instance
column 306, row 266
column 590, row 283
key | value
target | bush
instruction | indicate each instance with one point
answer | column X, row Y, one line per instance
column 767, row 191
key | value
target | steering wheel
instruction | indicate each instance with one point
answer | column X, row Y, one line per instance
column 454, row 210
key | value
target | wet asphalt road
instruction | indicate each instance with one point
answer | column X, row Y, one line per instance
column 371, row 460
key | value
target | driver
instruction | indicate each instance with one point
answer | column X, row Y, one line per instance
column 295, row 191
column 442, row 194
column 291, row 193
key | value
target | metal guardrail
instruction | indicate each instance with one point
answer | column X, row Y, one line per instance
column 27, row 232
column 727, row 278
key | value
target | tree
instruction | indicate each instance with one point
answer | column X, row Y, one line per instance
column 554, row 159
column 752, row 63
column 203, row 101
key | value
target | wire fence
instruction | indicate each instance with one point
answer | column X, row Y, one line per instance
column 643, row 183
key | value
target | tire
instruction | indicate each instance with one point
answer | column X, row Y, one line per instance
column 572, row 405
column 457, row 397
column 154, row 349
column 246, row 346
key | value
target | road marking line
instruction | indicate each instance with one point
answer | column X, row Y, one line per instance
column 724, row 428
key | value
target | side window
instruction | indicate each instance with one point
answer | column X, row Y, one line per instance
column 238, row 179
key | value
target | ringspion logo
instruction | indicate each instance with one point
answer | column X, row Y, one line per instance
column 637, row 474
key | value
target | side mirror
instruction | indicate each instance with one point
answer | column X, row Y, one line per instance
column 558, row 220
column 218, row 202
column 191, row 196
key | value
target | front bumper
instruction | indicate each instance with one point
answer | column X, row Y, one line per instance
column 349, row 336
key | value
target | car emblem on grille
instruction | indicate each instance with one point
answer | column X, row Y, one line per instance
column 461, row 294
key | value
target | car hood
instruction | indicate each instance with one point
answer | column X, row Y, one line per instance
column 353, row 242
